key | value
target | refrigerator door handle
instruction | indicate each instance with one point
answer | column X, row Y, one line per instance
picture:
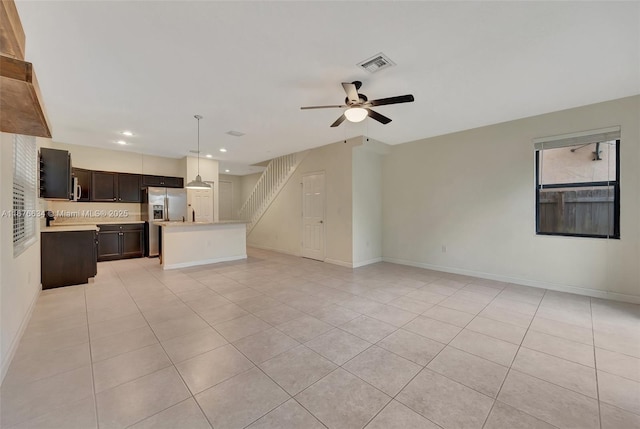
column 166, row 208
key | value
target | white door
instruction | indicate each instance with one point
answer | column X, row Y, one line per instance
column 201, row 202
column 225, row 189
column 313, row 216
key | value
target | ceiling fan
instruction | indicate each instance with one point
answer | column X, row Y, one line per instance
column 358, row 105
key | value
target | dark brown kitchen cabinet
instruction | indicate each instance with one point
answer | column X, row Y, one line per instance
column 104, row 186
column 120, row 241
column 162, row 181
column 67, row 258
column 84, row 182
column 129, row 188
column 173, row 182
column 108, row 244
column 148, row 180
column 107, row 186
column 55, row 174
column 133, row 242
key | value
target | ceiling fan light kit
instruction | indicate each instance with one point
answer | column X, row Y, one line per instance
column 356, row 114
column 198, row 183
column 358, row 105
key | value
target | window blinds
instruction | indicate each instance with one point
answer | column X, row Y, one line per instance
column 576, row 139
column 24, row 192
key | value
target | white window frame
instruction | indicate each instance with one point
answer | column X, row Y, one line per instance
column 25, row 180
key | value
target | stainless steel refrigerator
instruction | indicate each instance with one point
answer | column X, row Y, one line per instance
column 161, row 204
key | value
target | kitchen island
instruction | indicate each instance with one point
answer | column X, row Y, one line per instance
column 186, row 244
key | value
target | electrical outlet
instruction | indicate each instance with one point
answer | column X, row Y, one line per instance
column 444, row 248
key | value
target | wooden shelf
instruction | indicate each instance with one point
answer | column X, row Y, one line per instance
column 12, row 38
column 21, row 110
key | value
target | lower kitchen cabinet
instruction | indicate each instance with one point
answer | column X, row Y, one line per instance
column 67, row 258
column 120, row 241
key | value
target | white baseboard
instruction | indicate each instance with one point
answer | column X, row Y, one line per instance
column 203, row 262
column 367, row 262
column 595, row 293
column 339, row 262
column 16, row 340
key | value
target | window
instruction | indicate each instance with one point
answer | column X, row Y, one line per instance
column 24, row 192
column 578, row 184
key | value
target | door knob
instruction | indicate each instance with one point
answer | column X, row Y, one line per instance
column 321, row 222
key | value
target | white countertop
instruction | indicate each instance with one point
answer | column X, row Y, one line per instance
column 66, row 228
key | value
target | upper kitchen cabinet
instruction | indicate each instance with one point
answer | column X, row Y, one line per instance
column 148, row 180
column 55, row 174
column 104, row 186
column 108, row 186
column 84, row 182
column 173, row 182
column 162, row 181
column 21, row 107
column 129, row 188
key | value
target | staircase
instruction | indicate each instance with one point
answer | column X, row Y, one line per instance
column 273, row 179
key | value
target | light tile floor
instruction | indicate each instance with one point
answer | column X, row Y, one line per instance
column 283, row 342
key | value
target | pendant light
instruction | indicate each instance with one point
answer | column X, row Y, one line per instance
column 198, row 183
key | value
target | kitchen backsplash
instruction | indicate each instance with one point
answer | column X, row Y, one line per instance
column 68, row 212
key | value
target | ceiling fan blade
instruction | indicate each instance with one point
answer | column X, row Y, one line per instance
column 342, row 106
column 392, row 100
column 378, row 117
column 339, row 121
column 352, row 92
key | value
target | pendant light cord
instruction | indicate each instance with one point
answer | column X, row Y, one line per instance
column 198, row 117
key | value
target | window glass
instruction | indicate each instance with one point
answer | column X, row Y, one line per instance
column 579, row 164
column 578, row 190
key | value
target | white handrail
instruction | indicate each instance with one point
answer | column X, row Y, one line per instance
column 273, row 178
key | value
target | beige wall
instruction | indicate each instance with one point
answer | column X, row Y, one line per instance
column 93, row 158
column 110, row 160
column 367, row 201
column 237, row 200
column 20, row 276
column 280, row 227
column 208, row 169
column 473, row 192
column 78, row 212
column 248, row 183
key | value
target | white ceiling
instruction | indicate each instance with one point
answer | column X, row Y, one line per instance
column 148, row 67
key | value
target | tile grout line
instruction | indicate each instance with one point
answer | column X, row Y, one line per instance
column 119, row 274
column 233, row 345
column 513, row 360
column 273, row 381
column 165, row 352
column 595, row 364
column 93, row 380
column 425, row 367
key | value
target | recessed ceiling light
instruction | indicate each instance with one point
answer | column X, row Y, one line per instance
column 122, row 142
column 127, row 133
column 222, row 149
column 226, row 171
column 209, row 155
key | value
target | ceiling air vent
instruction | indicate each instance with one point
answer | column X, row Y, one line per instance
column 376, row 63
column 235, row 133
